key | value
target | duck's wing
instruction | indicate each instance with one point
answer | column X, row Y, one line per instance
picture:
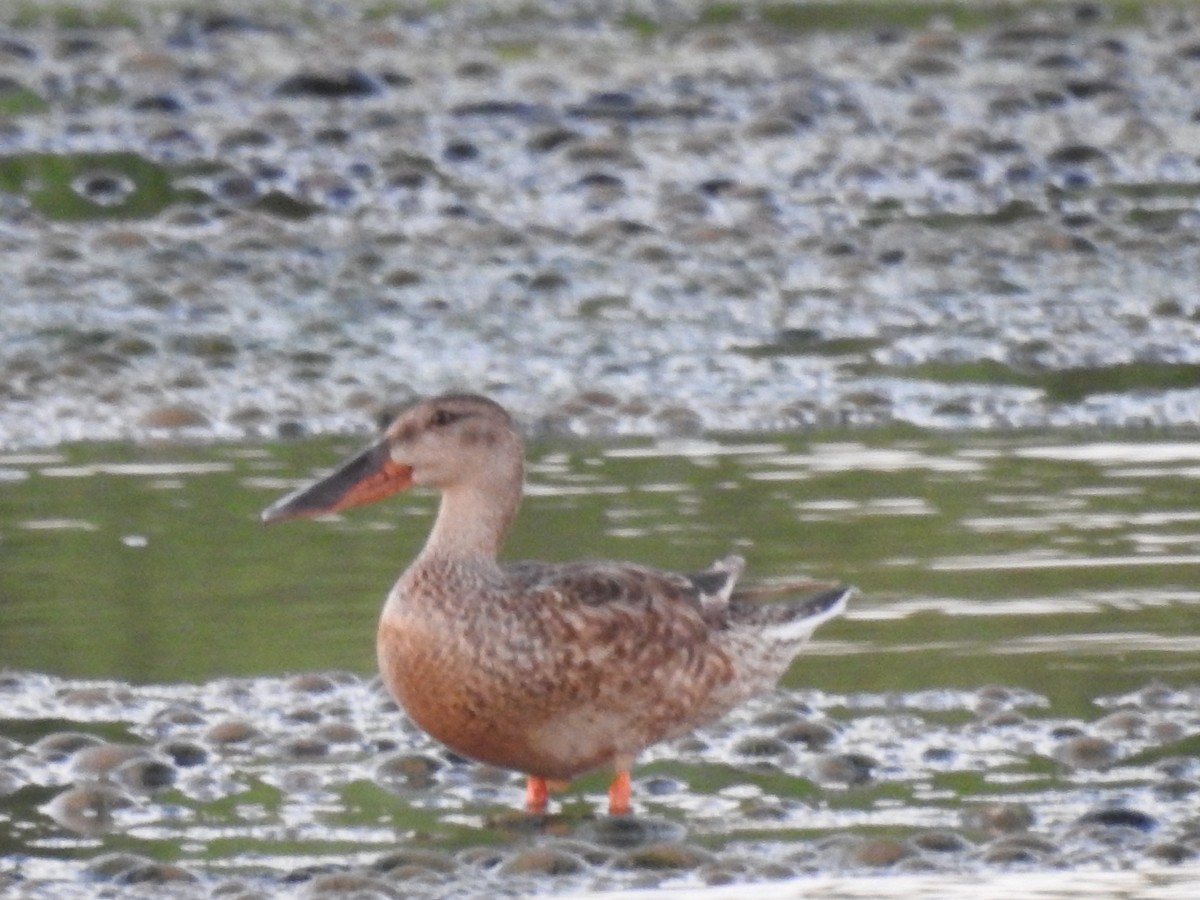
column 627, row 644
column 697, row 599
column 652, row 653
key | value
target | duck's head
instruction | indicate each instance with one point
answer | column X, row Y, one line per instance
column 449, row 442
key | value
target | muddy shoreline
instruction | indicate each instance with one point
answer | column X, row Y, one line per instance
column 227, row 226
column 312, row 776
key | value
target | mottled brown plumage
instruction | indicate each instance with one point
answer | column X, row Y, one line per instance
column 548, row 669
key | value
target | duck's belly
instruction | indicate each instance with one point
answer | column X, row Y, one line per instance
column 479, row 708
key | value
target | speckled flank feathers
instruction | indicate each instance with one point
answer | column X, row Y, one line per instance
column 550, row 669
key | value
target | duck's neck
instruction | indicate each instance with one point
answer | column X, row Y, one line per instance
column 471, row 523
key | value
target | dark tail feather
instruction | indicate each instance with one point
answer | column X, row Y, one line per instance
column 756, row 593
column 793, row 621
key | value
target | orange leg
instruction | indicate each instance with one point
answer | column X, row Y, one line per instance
column 537, row 794
column 618, row 794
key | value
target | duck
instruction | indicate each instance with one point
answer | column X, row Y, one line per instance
column 549, row 669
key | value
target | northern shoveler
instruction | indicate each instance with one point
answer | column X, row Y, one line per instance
column 544, row 668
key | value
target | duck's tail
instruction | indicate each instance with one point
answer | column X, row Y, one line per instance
column 792, row 622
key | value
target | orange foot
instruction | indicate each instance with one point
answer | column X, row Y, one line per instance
column 537, row 792
column 618, row 794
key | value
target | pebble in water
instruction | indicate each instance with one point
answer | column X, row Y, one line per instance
column 174, row 416
column 542, row 861
column 184, row 753
column 339, row 733
column 1176, row 788
column 157, row 873
column 328, row 86
column 625, row 851
column 517, row 190
column 89, row 809
column 300, row 781
column 232, row 733
column 311, row 683
column 10, row 781
column 98, row 760
column 1126, row 723
column 63, row 745
column 97, row 696
column 1019, row 852
column 344, row 884
column 111, row 866
column 428, row 860
column 999, row 818
column 878, row 853
column 813, row 735
column 624, row 832
column 305, row 747
column 177, row 716
column 1172, row 853
column 942, row 842
column 144, row 775
column 665, row 856
column 407, row 771
column 761, row 746
column 844, row 768
column 1086, row 752
column 1168, row 732
column 1120, row 817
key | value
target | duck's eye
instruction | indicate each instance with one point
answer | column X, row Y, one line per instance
column 441, row 418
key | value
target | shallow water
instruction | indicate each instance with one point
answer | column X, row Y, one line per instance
column 1015, row 689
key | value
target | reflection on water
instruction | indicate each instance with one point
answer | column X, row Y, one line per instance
column 150, row 563
column 1024, row 645
column 1048, row 561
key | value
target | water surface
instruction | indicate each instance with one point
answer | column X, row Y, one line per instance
column 1025, row 640
column 974, row 555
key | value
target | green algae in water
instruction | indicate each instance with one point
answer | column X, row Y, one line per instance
column 800, row 343
column 1063, row 385
column 283, row 206
column 113, row 14
column 1011, row 213
column 16, row 99
column 832, row 15
column 867, row 14
column 49, row 180
column 852, row 14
